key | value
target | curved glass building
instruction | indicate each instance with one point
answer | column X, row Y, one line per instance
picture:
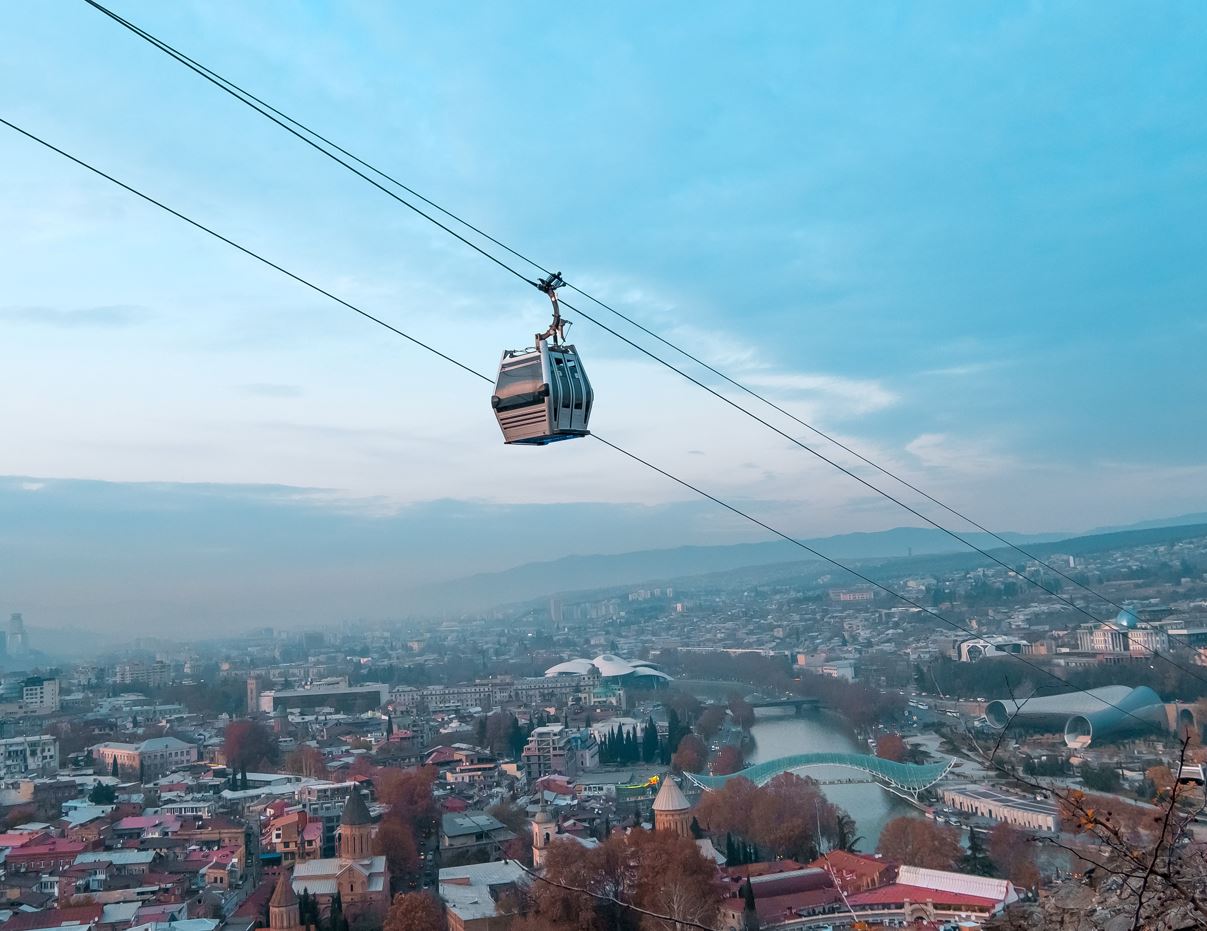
column 1111, row 711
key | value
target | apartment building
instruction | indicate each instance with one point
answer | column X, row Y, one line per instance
column 549, row 750
column 24, row 756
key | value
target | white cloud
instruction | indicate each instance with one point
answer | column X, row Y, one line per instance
column 852, row 395
column 960, row 457
column 964, row 370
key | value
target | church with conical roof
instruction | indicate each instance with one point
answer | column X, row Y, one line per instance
column 355, row 834
column 359, row 876
column 283, row 910
column 672, row 810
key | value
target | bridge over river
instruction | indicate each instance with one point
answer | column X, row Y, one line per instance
column 795, row 703
column 908, row 780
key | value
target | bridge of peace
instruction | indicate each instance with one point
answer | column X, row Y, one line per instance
column 908, row 780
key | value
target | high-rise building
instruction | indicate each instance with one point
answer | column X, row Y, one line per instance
column 17, row 639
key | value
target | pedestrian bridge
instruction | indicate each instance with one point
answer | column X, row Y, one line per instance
column 906, row 779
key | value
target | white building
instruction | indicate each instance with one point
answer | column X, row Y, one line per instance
column 971, row 650
column 1125, row 634
column 24, row 756
column 549, row 750
column 40, row 695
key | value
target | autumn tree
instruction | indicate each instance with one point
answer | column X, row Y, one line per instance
column 1161, row 778
column 728, row 760
column 511, row 815
column 1013, row 855
column 684, row 704
column 395, row 840
column 791, row 818
column 249, row 745
column 415, row 911
column 709, row 722
column 307, row 761
column 408, row 794
column 672, row 878
column 741, row 711
column 727, row 810
column 603, row 870
column 658, row 871
column 892, row 747
column 1134, row 824
column 691, row 755
column 920, row 842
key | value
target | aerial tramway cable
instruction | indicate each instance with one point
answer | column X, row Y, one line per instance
column 289, row 124
column 470, row 370
column 308, row 136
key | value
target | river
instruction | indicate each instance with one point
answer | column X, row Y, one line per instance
column 782, row 733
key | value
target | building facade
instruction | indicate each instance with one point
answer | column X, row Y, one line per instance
column 549, row 750
column 25, row 756
column 40, row 695
column 147, row 760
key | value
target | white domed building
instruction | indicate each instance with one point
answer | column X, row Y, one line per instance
column 613, row 670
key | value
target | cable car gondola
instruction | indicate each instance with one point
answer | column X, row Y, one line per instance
column 542, row 395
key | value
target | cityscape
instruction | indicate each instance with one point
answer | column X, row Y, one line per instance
column 620, row 467
column 781, row 751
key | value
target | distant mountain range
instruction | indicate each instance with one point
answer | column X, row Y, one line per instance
column 585, row 573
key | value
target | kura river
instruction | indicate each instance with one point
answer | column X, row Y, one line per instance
column 781, row 733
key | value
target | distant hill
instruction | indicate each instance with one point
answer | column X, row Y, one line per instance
column 911, row 549
column 1184, row 520
column 576, row 573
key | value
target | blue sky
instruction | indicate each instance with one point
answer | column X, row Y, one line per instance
column 967, row 238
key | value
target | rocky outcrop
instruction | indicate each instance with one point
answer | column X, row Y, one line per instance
column 1105, row 902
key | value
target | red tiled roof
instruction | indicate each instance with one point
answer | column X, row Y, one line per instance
column 21, row 839
column 852, row 862
column 772, row 907
column 142, row 822
column 54, row 918
column 254, row 905
column 46, row 848
column 896, row 893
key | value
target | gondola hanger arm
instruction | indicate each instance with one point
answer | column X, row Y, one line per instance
column 557, row 329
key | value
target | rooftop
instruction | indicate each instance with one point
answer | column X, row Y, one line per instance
column 472, row 891
column 469, row 822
